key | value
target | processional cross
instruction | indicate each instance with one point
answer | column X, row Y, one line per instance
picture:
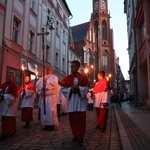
column 43, row 49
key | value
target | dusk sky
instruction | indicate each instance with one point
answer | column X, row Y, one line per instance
column 81, row 11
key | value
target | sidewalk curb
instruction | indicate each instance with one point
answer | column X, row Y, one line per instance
column 123, row 135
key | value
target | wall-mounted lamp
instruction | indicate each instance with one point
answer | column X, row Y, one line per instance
column 49, row 23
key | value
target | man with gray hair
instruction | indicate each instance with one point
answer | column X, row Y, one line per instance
column 47, row 88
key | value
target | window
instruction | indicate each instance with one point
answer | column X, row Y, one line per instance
column 105, row 60
column 57, row 26
column 143, row 32
column 85, row 54
column 96, row 33
column 48, row 12
column 63, row 64
column 93, row 37
column 47, row 53
column 64, row 35
column 71, row 57
column 90, row 37
column 64, row 18
column 31, row 41
column 57, row 60
column 18, row 75
column 104, row 30
column 33, row 5
column 16, row 30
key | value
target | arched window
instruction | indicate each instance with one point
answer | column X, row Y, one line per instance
column 105, row 60
column 96, row 32
column 104, row 30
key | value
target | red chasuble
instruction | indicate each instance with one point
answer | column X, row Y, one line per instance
column 100, row 86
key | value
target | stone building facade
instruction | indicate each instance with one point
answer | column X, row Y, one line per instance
column 138, row 27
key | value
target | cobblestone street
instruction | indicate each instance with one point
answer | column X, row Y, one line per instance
column 36, row 138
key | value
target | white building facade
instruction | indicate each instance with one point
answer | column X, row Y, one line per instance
column 22, row 22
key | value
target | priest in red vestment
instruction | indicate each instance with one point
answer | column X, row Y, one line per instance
column 75, row 87
column 8, row 106
column 28, row 94
column 101, row 91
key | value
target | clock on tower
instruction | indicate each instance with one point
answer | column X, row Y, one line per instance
column 103, row 4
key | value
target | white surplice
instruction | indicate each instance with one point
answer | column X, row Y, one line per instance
column 102, row 97
column 8, row 107
column 76, row 103
column 50, row 118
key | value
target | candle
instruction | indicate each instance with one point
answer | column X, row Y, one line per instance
column 22, row 67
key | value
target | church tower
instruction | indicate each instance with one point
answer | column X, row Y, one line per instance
column 93, row 41
column 103, row 37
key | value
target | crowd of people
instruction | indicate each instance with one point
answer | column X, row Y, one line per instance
column 69, row 96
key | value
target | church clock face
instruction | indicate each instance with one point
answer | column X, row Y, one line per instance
column 95, row 5
column 103, row 4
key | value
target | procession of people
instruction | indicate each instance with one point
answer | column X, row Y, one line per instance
column 72, row 96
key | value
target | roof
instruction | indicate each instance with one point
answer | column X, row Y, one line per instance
column 67, row 7
column 79, row 32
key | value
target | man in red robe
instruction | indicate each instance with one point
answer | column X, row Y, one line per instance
column 102, row 100
column 75, row 87
column 8, row 106
column 28, row 94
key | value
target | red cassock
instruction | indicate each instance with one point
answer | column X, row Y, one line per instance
column 9, row 122
column 101, row 111
column 100, row 86
column 77, row 119
column 27, row 107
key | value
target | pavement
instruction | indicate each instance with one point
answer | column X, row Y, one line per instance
column 127, row 128
column 134, row 126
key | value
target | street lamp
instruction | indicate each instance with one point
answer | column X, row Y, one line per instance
column 92, row 66
column 109, row 75
column 49, row 24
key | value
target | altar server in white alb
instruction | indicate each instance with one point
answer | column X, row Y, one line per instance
column 28, row 93
column 47, row 101
column 101, row 91
column 8, row 106
column 75, row 87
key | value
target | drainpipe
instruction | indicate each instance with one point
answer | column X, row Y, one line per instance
column 68, row 47
column 3, row 44
column 136, row 58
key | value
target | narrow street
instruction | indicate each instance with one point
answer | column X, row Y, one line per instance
column 36, row 138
